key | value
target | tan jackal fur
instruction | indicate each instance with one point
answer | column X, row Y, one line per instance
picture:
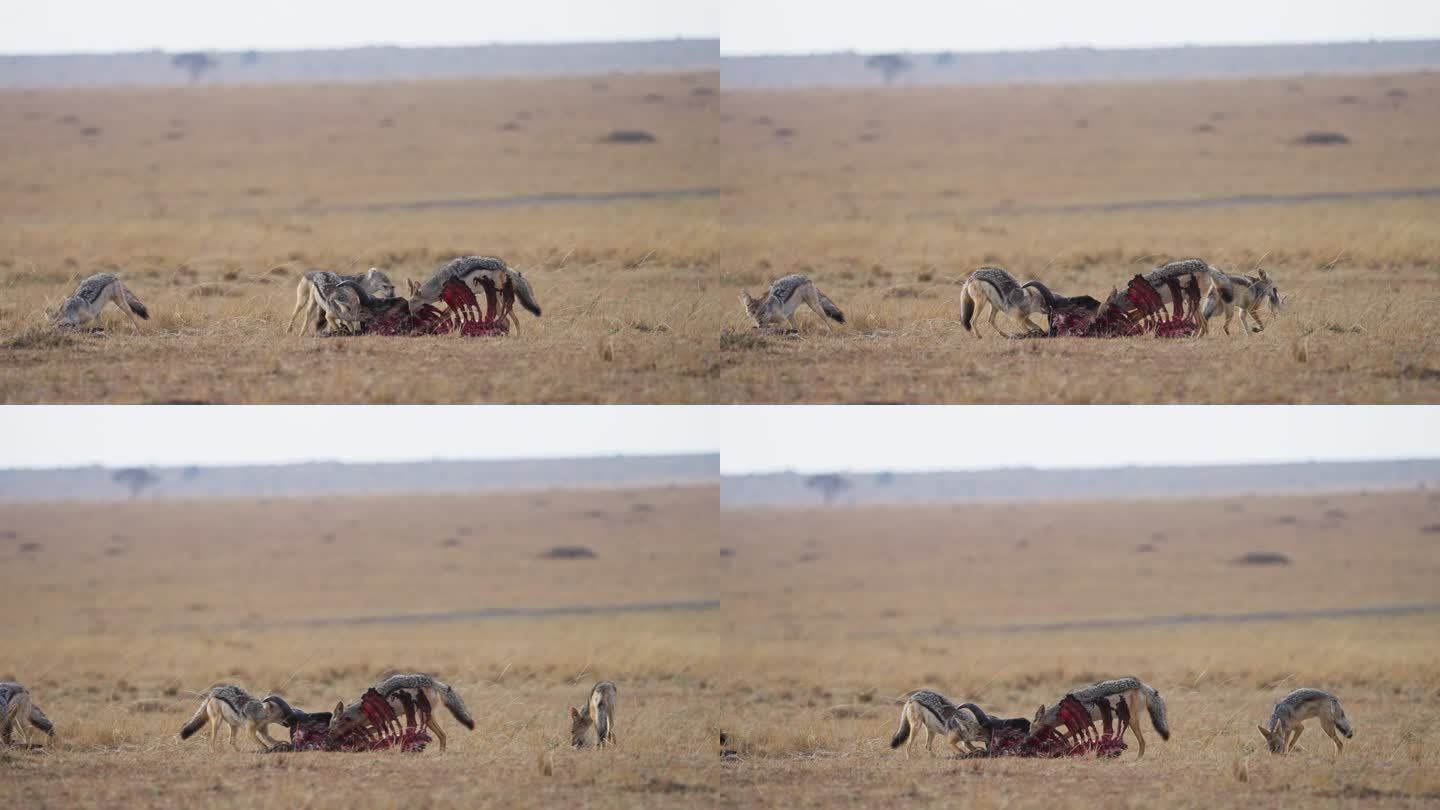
column 1290, row 713
column 1252, row 293
column 996, row 288
column 932, row 711
column 599, row 712
column 85, row 304
column 436, row 693
column 785, row 295
column 1135, row 695
column 227, row 704
column 16, row 708
column 313, row 292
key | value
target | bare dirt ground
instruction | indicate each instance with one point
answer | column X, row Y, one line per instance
column 834, row 613
column 889, row 198
column 118, row 614
column 211, row 201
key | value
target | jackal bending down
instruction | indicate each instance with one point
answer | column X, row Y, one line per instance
column 413, row 684
column 599, row 712
column 785, row 295
column 928, row 709
column 17, row 707
column 1130, row 690
column 1288, row 717
column 996, row 288
column 84, row 305
column 233, row 706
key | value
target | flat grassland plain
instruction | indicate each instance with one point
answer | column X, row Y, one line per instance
column 834, row 613
column 888, row 198
column 211, row 201
column 117, row 615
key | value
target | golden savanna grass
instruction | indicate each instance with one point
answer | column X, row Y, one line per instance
column 835, row 613
column 211, row 201
column 889, row 198
column 119, row 614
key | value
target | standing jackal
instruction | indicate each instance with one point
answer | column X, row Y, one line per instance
column 785, row 295
column 84, row 305
column 237, row 708
column 1288, row 717
column 1130, row 690
column 996, row 288
column 932, row 711
column 1251, row 293
column 413, row 684
column 599, row 712
column 17, row 707
column 1193, row 279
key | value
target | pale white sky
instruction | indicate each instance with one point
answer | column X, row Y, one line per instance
column 71, row 26
column 807, row 26
column 902, row 438
column 69, row 436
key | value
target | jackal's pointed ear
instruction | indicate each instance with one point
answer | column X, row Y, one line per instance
column 1264, row 732
column 339, row 709
column 574, row 715
column 1263, row 277
column 1040, row 712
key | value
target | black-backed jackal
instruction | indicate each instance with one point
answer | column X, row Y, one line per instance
column 227, row 704
column 932, row 711
column 1196, row 280
column 1290, row 713
column 1130, row 690
column 1252, row 293
column 996, row 288
column 599, row 712
column 785, row 295
column 85, row 304
column 314, row 290
column 16, row 708
column 413, row 684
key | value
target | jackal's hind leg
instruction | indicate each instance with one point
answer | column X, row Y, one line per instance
column 1294, row 735
column 434, row 725
column 234, row 730
column 929, row 740
column 812, row 300
column 1328, row 727
column 1135, row 706
column 118, row 296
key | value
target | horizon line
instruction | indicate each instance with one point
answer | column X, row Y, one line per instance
column 359, row 47
column 745, row 54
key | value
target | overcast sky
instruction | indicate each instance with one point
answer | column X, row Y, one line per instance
column 872, row 439
column 51, row 436
column 69, row 26
column 807, row 26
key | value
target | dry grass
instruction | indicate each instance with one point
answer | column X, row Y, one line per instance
column 830, row 623
column 211, row 201
column 888, row 198
column 114, row 646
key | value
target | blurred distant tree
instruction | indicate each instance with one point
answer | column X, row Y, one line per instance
column 195, row 63
column 136, row 478
column 944, row 59
column 885, row 478
column 890, row 65
column 250, row 57
column 829, row 485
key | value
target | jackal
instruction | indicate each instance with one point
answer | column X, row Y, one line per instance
column 599, row 712
column 310, row 298
column 1196, row 280
column 1288, row 717
column 1134, row 693
column 474, row 272
column 413, row 684
column 928, row 709
column 84, row 305
column 1251, row 293
column 237, row 708
column 996, row 288
column 16, row 708
column 784, row 296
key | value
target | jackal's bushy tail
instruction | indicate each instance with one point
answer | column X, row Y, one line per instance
column 967, row 307
column 40, row 721
column 455, row 705
column 198, row 721
column 831, row 311
column 1212, row 303
column 903, row 733
column 134, row 303
column 1156, row 705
